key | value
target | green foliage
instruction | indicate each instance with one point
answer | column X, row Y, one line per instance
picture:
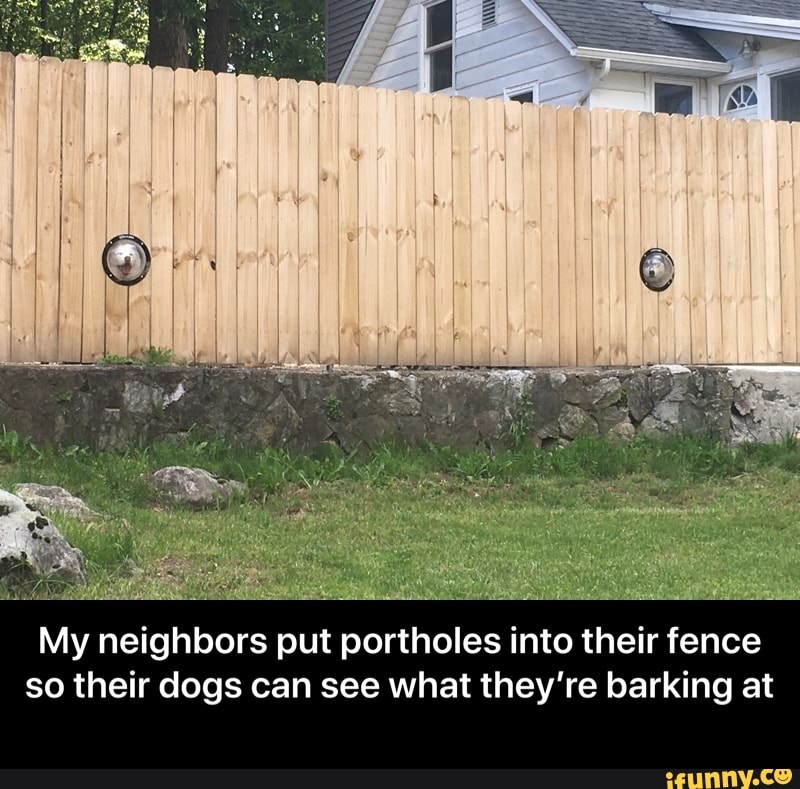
column 521, row 426
column 333, row 408
column 94, row 30
column 157, row 356
column 150, row 356
column 64, row 397
column 13, row 447
column 678, row 518
column 283, row 38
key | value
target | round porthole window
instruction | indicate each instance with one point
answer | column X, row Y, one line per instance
column 126, row 260
column 657, row 269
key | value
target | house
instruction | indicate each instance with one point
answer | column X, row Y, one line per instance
column 735, row 58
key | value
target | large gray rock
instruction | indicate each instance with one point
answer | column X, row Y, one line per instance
column 194, row 487
column 32, row 549
column 50, row 499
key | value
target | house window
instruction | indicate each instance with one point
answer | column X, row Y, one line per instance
column 439, row 45
column 786, row 97
column 524, row 98
column 674, row 99
column 525, row 94
column 742, row 97
column 489, row 18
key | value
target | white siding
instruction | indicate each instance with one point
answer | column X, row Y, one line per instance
column 398, row 68
column 517, row 50
column 622, row 90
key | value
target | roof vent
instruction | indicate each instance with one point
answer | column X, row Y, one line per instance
column 489, row 13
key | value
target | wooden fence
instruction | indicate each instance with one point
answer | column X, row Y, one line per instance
column 302, row 224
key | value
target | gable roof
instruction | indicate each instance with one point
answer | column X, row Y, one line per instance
column 627, row 26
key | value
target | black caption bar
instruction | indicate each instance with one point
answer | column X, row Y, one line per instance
column 371, row 684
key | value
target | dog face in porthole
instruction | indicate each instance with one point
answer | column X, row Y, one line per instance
column 126, row 261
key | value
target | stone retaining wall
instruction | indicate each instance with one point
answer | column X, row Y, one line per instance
column 301, row 409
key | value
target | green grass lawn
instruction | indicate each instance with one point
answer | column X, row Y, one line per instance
column 677, row 519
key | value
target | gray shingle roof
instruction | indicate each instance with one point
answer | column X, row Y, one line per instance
column 628, row 26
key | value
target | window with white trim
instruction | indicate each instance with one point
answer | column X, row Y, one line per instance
column 438, row 40
column 786, row 97
column 525, row 94
column 674, row 98
column 742, row 97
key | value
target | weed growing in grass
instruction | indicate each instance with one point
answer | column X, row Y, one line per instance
column 64, row 397
column 522, row 424
column 14, row 448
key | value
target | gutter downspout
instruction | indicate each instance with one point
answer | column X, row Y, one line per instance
column 604, row 72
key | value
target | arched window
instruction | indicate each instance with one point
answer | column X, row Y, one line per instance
column 742, row 97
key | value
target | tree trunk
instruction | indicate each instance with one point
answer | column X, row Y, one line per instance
column 46, row 47
column 112, row 27
column 168, row 40
column 76, row 36
column 216, row 56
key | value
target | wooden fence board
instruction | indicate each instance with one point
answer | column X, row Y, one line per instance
column 7, row 67
column 567, row 284
column 426, row 294
column 288, row 238
column 601, row 285
column 368, row 226
column 328, row 224
column 308, row 224
column 48, row 209
column 548, row 121
column 727, row 240
column 633, row 237
column 741, row 221
column 183, row 216
column 515, row 234
column 649, row 236
column 616, row 237
column 758, row 270
column 479, row 219
column 583, row 238
column 247, row 219
column 696, row 259
column 462, row 234
column 498, row 282
column 787, row 244
column 268, row 198
column 94, row 228
column 443, row 227
column 348, row 225
column 772, row 255
column 532, row 217
column 680, row 241
column 70, row 317
column 205, row 210
column 711, row 249
column 118, row 199
column 406, row 231
column 140, row 203
column 666, row 299
column 23, row 245
column 387, row 228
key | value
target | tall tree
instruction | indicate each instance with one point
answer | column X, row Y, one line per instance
column 216, row 52
column 168, row 39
